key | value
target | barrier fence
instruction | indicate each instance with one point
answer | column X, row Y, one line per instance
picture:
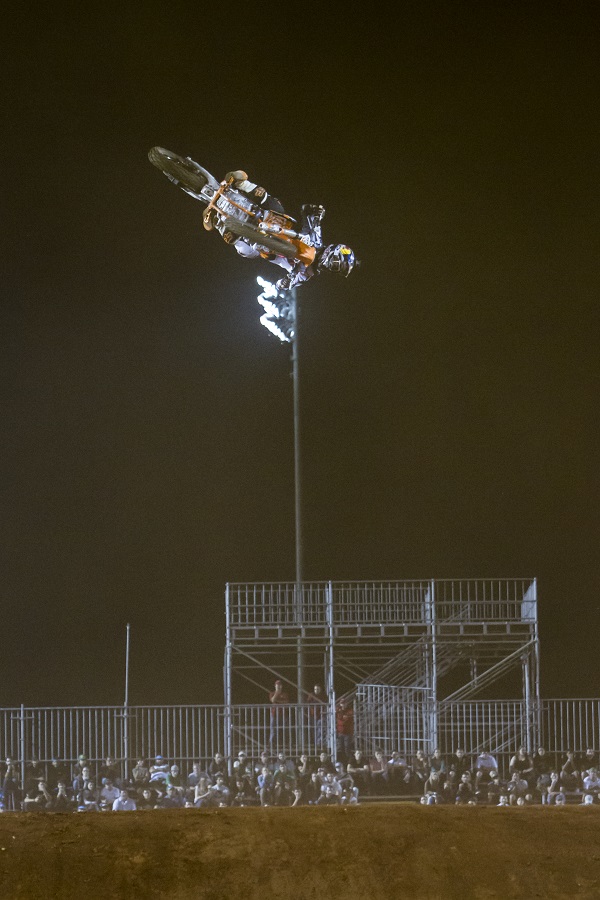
column 188, row 734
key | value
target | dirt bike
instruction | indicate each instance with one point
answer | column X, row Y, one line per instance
column 229, row 211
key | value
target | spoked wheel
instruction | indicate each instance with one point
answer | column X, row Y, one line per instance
column 182, row 171
column 279, row 246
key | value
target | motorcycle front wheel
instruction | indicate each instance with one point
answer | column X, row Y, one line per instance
column 182, row 171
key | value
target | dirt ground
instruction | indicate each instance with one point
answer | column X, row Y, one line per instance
column 369, row 852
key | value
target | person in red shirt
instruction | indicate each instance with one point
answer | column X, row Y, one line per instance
column 344, row 726
column 277, row 698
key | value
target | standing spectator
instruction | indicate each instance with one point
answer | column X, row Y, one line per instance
column 277, row 698
column 317, row 711
column 344, row 726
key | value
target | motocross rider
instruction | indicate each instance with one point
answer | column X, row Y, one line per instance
column 335, row 257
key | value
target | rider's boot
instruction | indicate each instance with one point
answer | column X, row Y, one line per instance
column 312, row 216
column 239, row 180
column 236, row 176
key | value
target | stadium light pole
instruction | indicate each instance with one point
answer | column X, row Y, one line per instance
column 281, row 318
column 297, row 456
column 298, row 498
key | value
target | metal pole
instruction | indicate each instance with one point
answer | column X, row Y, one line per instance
column 126, row 706
column 227, row 677
column 297, row 461
column 22, row 747
column 298, row 495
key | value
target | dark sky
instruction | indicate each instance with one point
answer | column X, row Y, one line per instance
column 449, row 388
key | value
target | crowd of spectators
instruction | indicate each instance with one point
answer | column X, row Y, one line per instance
column 538, row 778
column 160, row 784
column 277, row 780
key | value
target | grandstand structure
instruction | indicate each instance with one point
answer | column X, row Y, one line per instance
column 425, row 663
column 408, row 654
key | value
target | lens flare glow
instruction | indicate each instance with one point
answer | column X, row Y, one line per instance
column 279, row 311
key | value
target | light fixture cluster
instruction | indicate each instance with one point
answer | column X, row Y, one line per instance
column 279, row 315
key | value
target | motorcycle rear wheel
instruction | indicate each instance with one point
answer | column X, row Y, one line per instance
column 277, row 245
column 182, row 171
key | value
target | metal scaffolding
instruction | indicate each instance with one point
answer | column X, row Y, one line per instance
column 405, row 652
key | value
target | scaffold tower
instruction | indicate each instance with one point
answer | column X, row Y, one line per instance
column 405, row 652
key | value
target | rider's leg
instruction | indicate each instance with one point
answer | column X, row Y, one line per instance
column 254, row 192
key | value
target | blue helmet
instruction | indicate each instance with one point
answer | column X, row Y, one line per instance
column 337, row 258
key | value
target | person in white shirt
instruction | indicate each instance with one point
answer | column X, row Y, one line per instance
column 124, row 803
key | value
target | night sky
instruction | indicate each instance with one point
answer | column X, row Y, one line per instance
column 449, row 387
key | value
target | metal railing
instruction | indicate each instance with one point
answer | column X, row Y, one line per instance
column 385, row 717
column 367, row 603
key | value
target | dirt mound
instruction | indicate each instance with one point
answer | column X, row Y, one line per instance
column 361, row 853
